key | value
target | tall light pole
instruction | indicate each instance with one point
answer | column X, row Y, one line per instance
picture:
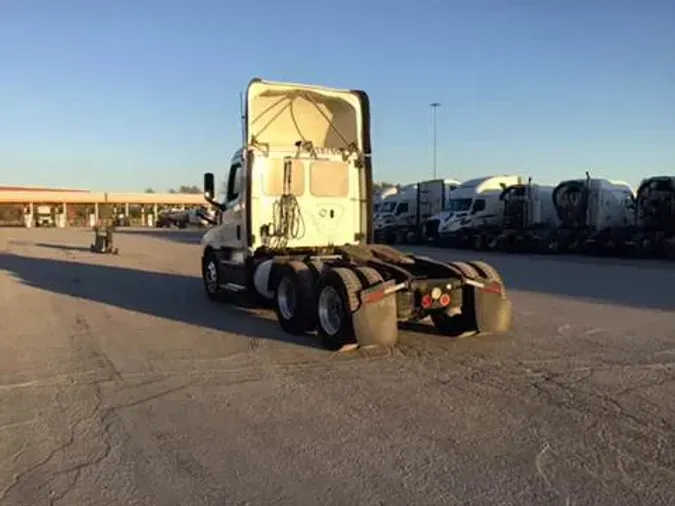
column 434, row 107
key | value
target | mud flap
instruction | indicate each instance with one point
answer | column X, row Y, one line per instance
column 492, row 310
column 375, row 322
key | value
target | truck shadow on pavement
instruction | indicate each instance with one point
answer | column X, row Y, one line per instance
column 186, row 236
column 170, row 296
column 62, row 247
column 630, row 283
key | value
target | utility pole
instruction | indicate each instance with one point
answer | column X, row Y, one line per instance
column 434, row 107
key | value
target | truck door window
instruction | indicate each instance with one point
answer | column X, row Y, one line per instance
column 273, row 178
column 402, row 208
column 478, row 206
column 234, row 182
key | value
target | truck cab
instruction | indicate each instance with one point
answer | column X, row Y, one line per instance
column 529, row 218
column 591, row 212
column 301, row 182
column 475, row 205
column 44, row 216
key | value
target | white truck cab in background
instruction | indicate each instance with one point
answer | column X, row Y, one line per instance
column 385, row 196
column 476, row 203
column 44, row 216
column 594, row 203
column 415, row 203
column 529, row 205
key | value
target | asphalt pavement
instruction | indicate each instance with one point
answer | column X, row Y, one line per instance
column 121, row 384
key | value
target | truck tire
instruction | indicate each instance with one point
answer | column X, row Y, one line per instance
column 211, row 277
column 294, row 300
column 465, row 269
column 337, row 299
column 487, row 271
column 477, row 242
column 368, row 276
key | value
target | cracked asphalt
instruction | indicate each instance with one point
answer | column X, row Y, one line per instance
column 120, row 384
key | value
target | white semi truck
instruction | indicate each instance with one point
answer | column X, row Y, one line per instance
column 44, row 216
column 414, row 205
column 654, row 231
column 528, row 220
column 588, row 211
column 476, row 210
column 295, row 228
column 383, row 197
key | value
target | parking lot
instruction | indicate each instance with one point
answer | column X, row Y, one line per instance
column 121, row 384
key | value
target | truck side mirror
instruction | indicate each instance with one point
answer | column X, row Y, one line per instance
column 210, row 191
column 209, row 186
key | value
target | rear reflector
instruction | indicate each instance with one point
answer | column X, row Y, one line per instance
column 445, row 299
column 493, row 287
column 373, row 297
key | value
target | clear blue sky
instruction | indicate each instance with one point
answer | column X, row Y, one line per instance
column 128, row 94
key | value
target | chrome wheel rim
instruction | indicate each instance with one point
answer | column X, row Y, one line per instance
column 211, row 277
column 331, row 312
column 286, row 298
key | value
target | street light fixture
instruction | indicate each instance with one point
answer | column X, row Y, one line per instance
column 434, row 107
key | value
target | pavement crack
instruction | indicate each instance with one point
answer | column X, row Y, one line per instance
column 13, row 425
column 152, row 397
column 538, row 462
column 17, row 478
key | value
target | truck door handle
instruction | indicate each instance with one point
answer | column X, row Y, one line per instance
column 238, row 232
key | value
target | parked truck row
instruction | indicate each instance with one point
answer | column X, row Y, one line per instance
column 512, row 213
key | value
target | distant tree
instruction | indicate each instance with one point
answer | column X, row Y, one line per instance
column 379, row 186
column 190, row 189
column 186, row 189
column 149, row 190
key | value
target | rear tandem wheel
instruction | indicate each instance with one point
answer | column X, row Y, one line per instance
column 295, row 298
column 337, row 299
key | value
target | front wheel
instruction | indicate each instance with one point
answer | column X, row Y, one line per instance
column 211, row 277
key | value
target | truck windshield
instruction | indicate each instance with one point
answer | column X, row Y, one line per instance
column 401, row 208
column 387, row 207
column 459, row 205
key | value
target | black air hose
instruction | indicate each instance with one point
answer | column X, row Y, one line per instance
column 287, row 219
column 570, row 199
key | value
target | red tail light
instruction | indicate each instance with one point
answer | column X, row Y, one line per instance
column 445, row 299
column 427, row 301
